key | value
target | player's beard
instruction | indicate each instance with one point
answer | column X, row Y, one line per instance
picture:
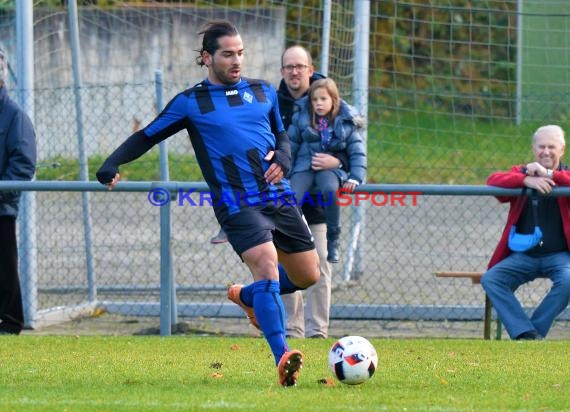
column 225, row 77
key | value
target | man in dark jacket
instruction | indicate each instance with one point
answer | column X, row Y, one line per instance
column 311, row 320
column 17, row 162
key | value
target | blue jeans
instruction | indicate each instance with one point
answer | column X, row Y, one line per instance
column 327, row 183
column 502, row 280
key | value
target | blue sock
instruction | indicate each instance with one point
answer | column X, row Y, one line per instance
column 246, row 294
column 270, row 315
column 285, row 284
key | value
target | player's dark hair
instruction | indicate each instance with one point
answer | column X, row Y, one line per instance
column 211, row 32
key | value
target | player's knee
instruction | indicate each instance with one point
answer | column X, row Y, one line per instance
column 309, row 276
column 315, row 271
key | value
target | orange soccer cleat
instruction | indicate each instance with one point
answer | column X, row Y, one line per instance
column 289, row 367
column 233, row 295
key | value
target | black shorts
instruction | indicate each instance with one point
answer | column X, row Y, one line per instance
column 282, row 224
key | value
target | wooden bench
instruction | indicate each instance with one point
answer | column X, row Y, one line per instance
column 476, row 280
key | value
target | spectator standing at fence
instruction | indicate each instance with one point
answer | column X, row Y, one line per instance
column 17, row 162
column 297, row 74
column 243, row 151
column 327, row 124
column 550, row 256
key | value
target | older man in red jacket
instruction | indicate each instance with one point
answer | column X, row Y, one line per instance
column 511, row 267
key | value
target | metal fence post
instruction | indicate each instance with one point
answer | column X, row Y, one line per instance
column 27, row 215
column 352, row 268
column 82, row 155
column 168, row 311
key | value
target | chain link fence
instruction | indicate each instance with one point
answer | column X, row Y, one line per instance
column 402, row 247
column 442, row 108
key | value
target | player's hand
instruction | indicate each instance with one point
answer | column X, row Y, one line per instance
column 543, row 185
column 108, row 176
column 114, row 182
column 274, row 174
column 324, row 161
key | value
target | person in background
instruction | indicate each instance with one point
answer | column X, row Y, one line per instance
column 244, row 153
column 17, row 162
column 548, row 256
column 219, row 238
column 327, row 124
column 312, row 321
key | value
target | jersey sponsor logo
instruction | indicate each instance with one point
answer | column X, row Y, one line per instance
column 231, row 92
column 247, row 97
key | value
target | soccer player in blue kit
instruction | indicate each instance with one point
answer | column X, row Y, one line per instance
column 244, row 152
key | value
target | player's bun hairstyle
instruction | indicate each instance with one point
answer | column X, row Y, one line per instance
column 211, row 32
column 3, row 67
column 330, row 86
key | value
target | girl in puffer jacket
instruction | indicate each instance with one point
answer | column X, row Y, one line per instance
column 326, row 124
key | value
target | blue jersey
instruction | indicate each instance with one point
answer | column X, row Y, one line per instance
column 232, row 128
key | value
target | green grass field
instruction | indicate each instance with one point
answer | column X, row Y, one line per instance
column 135, row 373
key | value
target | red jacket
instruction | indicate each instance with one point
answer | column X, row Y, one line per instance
column 511, row 180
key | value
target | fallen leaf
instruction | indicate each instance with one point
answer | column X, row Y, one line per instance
column 98, row 312
column 326, row 382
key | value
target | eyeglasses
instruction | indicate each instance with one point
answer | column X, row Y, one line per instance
column 299, row 67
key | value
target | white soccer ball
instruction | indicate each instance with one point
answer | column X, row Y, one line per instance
column 353, row 360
